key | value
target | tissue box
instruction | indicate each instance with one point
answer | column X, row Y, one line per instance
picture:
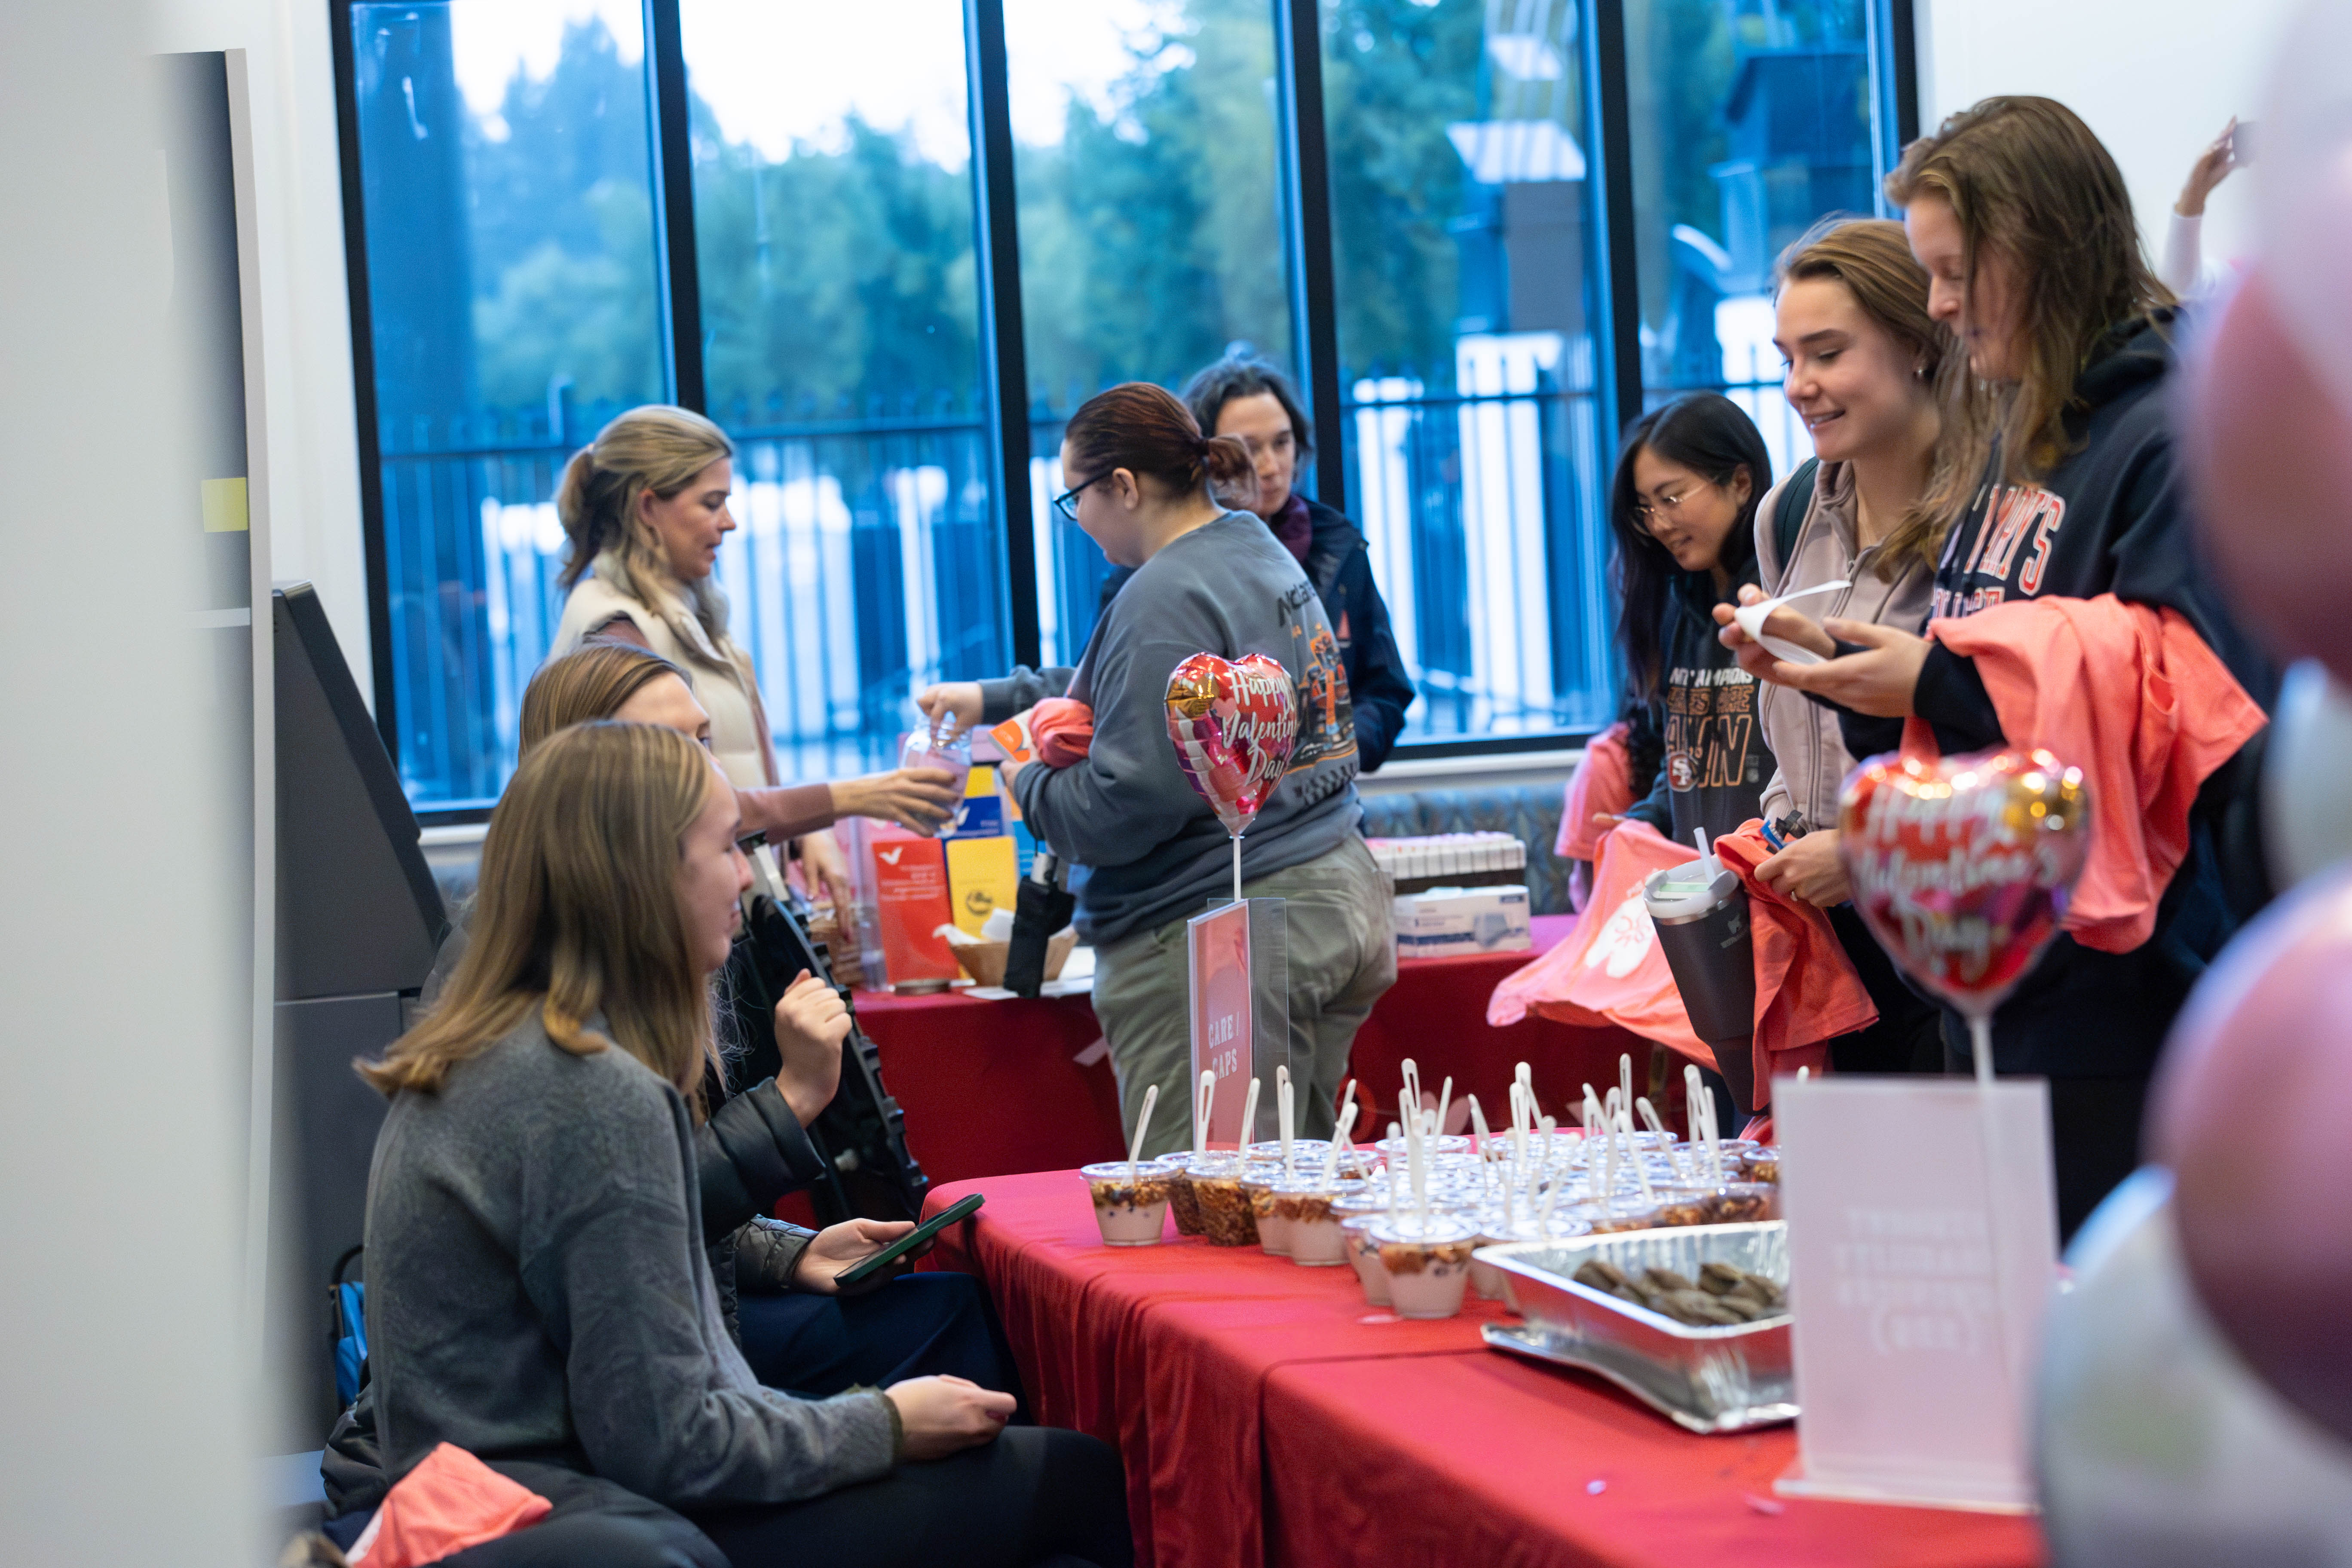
column 1447, row 922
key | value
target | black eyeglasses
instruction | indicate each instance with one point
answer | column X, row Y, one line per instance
column 1066, row 503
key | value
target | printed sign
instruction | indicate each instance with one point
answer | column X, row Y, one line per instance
column 910, row 897
column 1222, row 1009
column 1240, row 1004
column 1923, row 1245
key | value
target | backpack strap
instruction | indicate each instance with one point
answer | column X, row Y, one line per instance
column 1789, row 516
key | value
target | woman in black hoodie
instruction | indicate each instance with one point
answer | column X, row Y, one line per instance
column 2025, row 225
column 1683, row 507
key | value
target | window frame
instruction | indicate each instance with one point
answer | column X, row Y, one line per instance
column 1304, row 176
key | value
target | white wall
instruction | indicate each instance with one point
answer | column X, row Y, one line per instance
column 2156, row 78
column 314, row 486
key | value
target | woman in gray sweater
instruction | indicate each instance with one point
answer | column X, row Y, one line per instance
column 1150, row 853
column 538, row 1290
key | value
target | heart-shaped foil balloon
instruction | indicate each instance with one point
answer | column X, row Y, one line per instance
column 1962, row 866
column 1234, row 723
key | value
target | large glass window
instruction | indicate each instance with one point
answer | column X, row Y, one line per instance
column 1750, row 120
column 1151, row 230
column 833, row 215
column 1460, row 215
column 504, row 158
column 815, row 277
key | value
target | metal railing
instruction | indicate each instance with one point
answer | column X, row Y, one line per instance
column 867, row 563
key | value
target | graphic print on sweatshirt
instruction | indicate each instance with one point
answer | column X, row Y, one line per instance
column 1711, row 730
column 2002, row 553
column 1326, row 719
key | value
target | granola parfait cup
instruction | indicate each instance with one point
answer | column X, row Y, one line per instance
column 1741, row 1203
column 1611, row 1216
column 1305, row 1209
column 1354, row 1216
column 1226, row 1217
column 1183, row 1202
column 1764, row 1165
column 1684, row 1204
column 1427, row 1262
column 1441, row 1143
column 1273, row 1230
column 1491, row 1283
column 1131, row 1200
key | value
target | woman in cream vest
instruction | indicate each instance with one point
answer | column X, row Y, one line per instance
column 645, row 508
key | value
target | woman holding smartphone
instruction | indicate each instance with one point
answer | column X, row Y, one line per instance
column 538, row 1294
column 1851, row 322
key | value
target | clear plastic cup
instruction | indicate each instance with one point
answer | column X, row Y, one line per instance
column 1183, row 1202
column 1301, row 1148
column 1304, row 1208
column 1130, row 1201
column 1428, row 1265
column 1226, row 1217
column 1742, row 1202
column 1608, row 1218
column 1491, row 1283
column 1444, row 1144
column 1763, row 1164
column 1273, row 1230
column 1684, row 1205
column 1364, row 1255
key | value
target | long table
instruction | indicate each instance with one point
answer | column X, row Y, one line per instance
column 993, row 1086
column 1266, row 1416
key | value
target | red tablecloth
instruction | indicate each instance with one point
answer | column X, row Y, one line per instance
column 1265, row 1414
column 995, row 1087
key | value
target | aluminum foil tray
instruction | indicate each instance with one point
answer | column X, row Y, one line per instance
column 1707, row 1379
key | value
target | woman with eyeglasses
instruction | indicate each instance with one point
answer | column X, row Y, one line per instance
column 1151, row 853
column 1683, row 507
column 1244, row 398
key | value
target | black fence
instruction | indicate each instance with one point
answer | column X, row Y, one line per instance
column 867, row 563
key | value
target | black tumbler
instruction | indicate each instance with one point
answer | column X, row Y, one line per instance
column 1702, row 925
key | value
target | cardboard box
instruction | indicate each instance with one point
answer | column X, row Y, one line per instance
column 983, row 876
column 911, row 903
column 1446, row 922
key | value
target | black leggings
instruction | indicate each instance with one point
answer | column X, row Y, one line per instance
column 1037, row 1497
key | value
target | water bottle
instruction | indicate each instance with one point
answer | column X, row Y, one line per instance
column 1700, row 911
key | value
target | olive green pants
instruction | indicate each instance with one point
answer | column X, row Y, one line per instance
column 1341, row 946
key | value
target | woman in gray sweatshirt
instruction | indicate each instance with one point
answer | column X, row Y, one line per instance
column 1150, row 853
column 538, row 1290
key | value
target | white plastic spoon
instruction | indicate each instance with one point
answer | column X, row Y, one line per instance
column 1750, row 619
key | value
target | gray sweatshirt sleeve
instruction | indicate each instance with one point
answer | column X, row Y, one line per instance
column 1025, row 687
column 609, row 1256
column 1127, row 796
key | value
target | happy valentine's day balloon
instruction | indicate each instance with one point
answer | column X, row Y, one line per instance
column 1234, row 723
column 1962, row 866
column 2250, row 1109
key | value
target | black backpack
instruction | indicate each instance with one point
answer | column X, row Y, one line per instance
column 1789, row 516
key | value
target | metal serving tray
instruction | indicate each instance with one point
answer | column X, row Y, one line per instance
column 1708, row 1380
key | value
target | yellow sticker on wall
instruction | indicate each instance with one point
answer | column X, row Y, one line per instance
column 225, row 509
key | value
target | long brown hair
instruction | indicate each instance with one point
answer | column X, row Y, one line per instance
column 1144, row 429
column 593, row 681
column 656, row 450
column 1873, row 259
column 2027, row 177
column 578, row 914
